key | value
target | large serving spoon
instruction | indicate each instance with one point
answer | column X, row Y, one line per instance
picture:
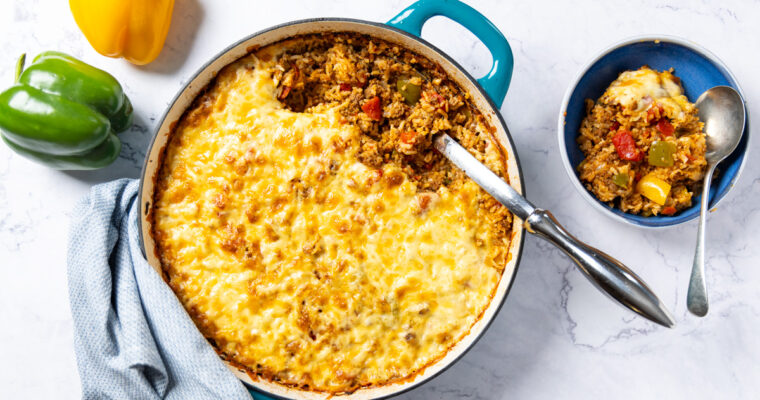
column 608, row 274
column 722, row 110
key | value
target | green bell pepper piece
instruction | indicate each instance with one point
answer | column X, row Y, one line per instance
column 101, row 156
column 63, row 113
column 408, row 90
column 661, row 154
column 621, row 179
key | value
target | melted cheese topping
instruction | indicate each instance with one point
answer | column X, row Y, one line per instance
column 302, row 263
column 637, row 90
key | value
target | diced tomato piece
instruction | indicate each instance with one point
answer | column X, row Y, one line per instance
column 345, row 87
column 669, row 210
column 407, row 136
column 654, row 111
column 665, row 127
column 650, row 113
column 625, row 146
column 373, row 109
column 615, row 126
column 284, row 92
column 438, row 101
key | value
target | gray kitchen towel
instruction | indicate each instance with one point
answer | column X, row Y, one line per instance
column 133, row 339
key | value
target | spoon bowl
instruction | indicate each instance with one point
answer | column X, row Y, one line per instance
column 721, row 108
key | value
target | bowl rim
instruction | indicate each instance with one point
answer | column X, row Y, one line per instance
column 574, row 84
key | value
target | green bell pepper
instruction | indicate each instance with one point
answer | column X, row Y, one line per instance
column 63, row 113
column 410, row 91
column 621, row 180
column 661, row 153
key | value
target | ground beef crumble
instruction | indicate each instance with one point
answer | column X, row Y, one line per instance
column 362, row 77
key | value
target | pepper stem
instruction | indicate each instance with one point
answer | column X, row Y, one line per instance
column 20, row 66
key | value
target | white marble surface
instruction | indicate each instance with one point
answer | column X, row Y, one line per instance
column 556, row 336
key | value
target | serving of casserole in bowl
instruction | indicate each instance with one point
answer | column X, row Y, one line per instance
column 647, row 171
column 644, row 144
column 294, row 203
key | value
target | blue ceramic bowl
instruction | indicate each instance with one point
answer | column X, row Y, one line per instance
column 698, row 69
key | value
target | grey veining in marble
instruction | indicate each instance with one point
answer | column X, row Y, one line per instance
column 556, row 336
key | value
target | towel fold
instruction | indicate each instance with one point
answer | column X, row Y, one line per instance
column 133, row 339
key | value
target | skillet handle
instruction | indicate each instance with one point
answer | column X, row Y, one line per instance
column 496, row 81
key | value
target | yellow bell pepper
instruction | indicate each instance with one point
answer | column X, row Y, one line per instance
column 653, row 188
column 133, row 29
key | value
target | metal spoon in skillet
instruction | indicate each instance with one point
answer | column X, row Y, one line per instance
column 608, row 274
column 722, row 110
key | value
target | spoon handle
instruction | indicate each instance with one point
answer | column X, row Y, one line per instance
column 696, row 298
column 608, row 274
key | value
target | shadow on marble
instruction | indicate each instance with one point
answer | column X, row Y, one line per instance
column 134, row 144
column 187, row 17
column 115, row 171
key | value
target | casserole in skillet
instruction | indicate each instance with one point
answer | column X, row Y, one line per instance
column 308, row 226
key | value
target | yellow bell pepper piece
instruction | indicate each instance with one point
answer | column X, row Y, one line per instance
column 653, row 188
column 133, row 29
